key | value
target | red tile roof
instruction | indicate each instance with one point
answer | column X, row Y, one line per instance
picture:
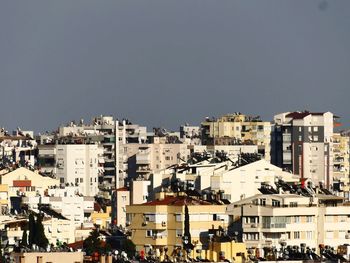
column 22, row 183
column 122, row 189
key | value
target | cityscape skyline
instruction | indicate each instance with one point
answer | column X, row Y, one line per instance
column 164, row 64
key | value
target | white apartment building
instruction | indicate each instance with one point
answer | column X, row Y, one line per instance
column 73, row 164
column 234, row 181
column 113, row 135
column 78, row 209
column 302, row 143
column 268, row 220
column 79, row 164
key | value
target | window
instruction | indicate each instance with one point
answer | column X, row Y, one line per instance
column 124, row 198
column 81, row 180
column 315, row 129
column 297, row 219
column 149, row 233
column 62, row 180
column 150, row 217
column 293, row 204
column 276, row 203
column 300, row 138
column 315, row 138
column 308, row 219
column 299, row 129
column 309, row 128
column 297, row 235
column 263, row 201
column 167, row 158
column 308, row 234
column 178, row 217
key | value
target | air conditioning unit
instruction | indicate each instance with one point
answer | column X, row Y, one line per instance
column 255, row 225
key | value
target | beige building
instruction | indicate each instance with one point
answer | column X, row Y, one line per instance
column 237, row 128
column 3, row 199
column 341, row 158
column 154, row 156
column 159, row 224
column 268, row 220
column 53, row 257
column 121, row 200
column 26, row 182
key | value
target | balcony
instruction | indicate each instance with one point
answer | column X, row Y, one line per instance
column 143, row 158
column 148, row 170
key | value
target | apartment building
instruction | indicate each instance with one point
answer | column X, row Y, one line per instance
column 18, row 148
column 77, row 209
column 144, row 159
column 159, row 225
column 302, row 143
column 4, row 204
column 56, row 229
column 190, row 135
column 23, row 181
column 120, row 200
column 73, row 164
column 278, row 220
column 113, row 135
column 341, row 159
column 233, row 181
column 237, row 128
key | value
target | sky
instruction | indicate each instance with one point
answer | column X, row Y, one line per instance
column 166, row 63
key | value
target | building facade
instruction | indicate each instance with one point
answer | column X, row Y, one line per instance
column 302, row 143
column 238, row 128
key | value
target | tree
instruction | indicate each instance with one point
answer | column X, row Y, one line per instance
column 31, row 228
column 93, row 243
column 187, row 244
column 24, row 241
column 130, row 248
column 40, row 238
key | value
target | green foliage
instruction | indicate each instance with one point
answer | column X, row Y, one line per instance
column 93, row 243
column 130, row 248
column 24, row 241
column 31, row 228
column 39, row 237
column 187, row 244
column 36, row 232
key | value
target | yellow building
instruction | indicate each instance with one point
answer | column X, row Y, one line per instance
column 341, row 161
column 158, row 226
column 101, row 218
column 238, row 128
column 3, row 199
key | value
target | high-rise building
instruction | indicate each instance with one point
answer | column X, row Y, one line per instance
column 237, row 128
column 341, row 157
column 302, row 143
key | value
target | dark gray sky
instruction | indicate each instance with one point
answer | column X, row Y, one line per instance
column 163, row 63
